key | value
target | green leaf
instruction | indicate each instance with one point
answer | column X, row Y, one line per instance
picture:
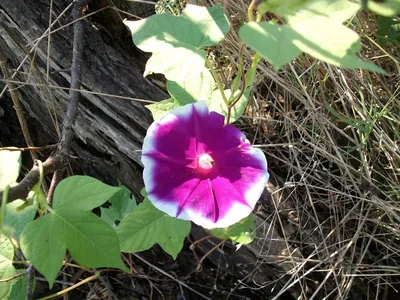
column 6, row 268
column 18, row 290
column 81, row 193
column 242, row 232
column 217, row 104
column 274, row 42
column 200, row 86
column 319, row 36
column 147, row 225
column 338, row 10
column 122, row 203
column 160, row 109
column 16, row 218
column 177, row 42
column 70, row 225
column 388, row 8
column 10, row 163
column 280, row 7
column 43, row 243
column 332, row 42
column 195, row 88
column 91, row 241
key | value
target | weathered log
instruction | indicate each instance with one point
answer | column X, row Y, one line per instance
column 109, row 130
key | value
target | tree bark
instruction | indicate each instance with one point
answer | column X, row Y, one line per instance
column 109, row 131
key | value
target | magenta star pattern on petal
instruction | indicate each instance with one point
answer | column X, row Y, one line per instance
column 196, row 168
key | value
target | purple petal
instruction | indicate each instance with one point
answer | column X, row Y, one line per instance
column 198, row 169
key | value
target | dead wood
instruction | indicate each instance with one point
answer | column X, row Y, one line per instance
column 108, row 131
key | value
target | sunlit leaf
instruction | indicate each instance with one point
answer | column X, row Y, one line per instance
column 281, row 8
column 338, row 10
column 194, row 88
column 177, row 42
column 321, row 37
column 160, row 109
column 199, row 87
column 217, row 104
column 10, row 163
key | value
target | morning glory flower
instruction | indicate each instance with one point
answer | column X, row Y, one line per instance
column 196, row 168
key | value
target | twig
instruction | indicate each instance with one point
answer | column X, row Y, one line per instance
column 73, row 99
column 209, row 252
column 169, row 276
column 44, row 148
column 109, row 288
column 17, row 105
column 118, row 97
column 30, row 276
column 64, row 285
column 54, row 182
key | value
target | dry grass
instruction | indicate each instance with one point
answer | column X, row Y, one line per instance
column 331, row 137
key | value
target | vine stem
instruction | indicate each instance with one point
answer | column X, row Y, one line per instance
column 217, row 80
column 233, row 102
column 250, row 11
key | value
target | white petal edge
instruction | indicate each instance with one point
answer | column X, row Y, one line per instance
column 254, row 193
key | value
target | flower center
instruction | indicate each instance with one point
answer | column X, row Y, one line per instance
column 205, row 162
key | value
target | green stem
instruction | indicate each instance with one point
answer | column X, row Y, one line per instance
column 250, row 11
column 259, row 17
column 234, row 100
column 41, row 173
column 250, row 74
column 216, row 78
